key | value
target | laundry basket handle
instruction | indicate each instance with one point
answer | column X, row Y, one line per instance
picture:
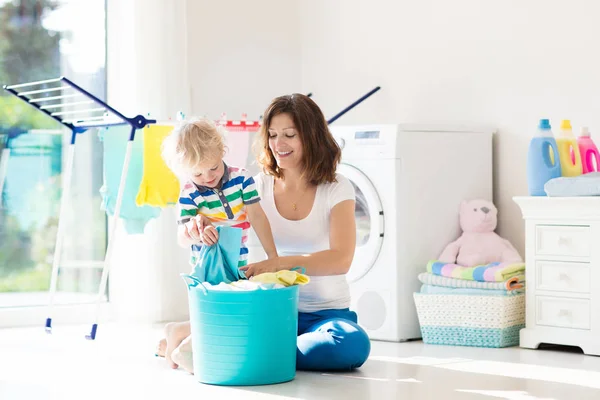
column 301, row 269
column 191, row 281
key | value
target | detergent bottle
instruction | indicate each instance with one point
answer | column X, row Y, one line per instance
column 543, row 162
column 590, row 158
column 568, row 151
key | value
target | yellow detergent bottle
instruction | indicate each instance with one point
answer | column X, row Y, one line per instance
column 568, row 150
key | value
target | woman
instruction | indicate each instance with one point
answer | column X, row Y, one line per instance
column 311, row 211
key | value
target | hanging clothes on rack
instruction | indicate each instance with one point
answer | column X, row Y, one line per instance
column 238, row 139
column 160, row 186
column 115, row 143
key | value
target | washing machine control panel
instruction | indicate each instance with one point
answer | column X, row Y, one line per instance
column 372, row 135
column 368, row 141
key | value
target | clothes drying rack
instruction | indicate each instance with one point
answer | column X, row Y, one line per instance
column 96, row 114
column 62, row 100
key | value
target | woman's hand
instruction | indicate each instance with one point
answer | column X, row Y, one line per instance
column 270, row 265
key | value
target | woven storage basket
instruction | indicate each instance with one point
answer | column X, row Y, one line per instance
column 469, row 320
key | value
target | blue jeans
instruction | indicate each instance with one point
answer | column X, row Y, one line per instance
column 331, row 340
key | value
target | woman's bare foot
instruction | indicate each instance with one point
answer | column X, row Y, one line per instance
column 175, row 332
column 182, row 355
column 161, row 348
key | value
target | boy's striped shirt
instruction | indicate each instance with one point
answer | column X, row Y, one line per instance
column 224, row 205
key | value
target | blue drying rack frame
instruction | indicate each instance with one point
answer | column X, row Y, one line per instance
column 97, row 115
column 351, row 106
column 77, row 125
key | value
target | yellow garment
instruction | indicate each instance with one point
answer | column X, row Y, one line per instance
column 284, row 277
column 159, row 186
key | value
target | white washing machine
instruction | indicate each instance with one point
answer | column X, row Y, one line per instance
column 409, row 182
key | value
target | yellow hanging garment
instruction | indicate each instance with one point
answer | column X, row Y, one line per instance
column 283, row 277
column 159, row 186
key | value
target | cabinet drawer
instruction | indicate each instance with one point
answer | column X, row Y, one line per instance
column 560, row 312
column 560, row 276
column 570, row 241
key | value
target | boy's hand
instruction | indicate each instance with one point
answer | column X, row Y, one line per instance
column 207, row 232
column 200, row 230
column 191, row 230
column 210, row 235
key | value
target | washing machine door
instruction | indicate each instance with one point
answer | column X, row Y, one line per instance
column 369, row 222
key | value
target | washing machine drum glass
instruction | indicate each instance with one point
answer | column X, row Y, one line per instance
column 363, row 221
column 369, row 223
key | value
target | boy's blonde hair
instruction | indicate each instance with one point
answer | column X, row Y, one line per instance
column 191, row 143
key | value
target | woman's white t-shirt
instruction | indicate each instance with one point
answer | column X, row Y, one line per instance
column 310, row 235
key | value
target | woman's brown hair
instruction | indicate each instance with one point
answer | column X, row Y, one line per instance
column 321, row 153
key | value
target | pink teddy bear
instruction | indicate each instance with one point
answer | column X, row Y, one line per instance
column 479, row 244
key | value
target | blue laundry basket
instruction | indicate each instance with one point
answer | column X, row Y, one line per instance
column 243, row 337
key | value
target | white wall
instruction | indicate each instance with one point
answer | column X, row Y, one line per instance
column 500, row 63
column 242, row 54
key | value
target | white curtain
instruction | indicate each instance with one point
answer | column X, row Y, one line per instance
column 147, row 73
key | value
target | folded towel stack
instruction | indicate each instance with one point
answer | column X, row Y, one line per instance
column 481, row 306
column 494, row 279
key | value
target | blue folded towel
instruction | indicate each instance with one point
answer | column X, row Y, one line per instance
column 432, row 289
column 583, row 185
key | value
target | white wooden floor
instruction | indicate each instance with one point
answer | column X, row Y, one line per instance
column 120, row 364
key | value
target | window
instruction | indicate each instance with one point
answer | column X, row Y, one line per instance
column 39, row 40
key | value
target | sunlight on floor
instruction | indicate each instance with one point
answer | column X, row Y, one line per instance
column 569, row 376
column 367, row 378
column 419, row 360
column 506, row 394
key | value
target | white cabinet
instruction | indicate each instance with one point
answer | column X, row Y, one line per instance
column 562, row 256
